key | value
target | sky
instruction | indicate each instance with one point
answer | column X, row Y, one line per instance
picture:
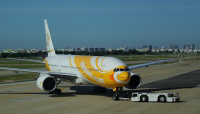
column 99, row 23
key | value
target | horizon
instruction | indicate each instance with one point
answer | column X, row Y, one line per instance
column 130, row 48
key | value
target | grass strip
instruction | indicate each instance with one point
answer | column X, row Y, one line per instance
column 20, row 62
column 22, row 66
column 170, row 62
column 17, row 77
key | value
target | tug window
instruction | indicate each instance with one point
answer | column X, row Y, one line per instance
column 134, row 95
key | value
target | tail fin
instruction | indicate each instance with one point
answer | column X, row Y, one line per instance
column 50, row 47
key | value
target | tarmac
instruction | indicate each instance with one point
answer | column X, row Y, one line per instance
column 182, row 77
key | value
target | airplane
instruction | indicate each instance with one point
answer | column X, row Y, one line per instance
column 103, row 72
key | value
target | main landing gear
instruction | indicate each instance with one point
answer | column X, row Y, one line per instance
column 116, row 96
column 56, row 91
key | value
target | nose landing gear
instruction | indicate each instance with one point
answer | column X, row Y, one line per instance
column 116, row 96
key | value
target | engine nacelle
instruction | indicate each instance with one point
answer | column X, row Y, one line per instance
column 46, row 82
column 134, row 82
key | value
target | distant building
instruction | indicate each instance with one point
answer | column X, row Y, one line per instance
column 181, row 50
column 173, row 47
column 109, row 49
column 176, row 50
column 170, row 49
column 192, row 47
column 101, row 49
column 188, row 46
column 77, row 49
column 184, row 46
column 125, row 48
column 145, row 49
column 89, row 49
column 83, row 49
column 9, row 51
column 163, row 48
column 150, row 47
column 95, row 49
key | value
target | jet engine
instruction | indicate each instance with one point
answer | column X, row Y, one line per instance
column 134, row 82
column 46, row 82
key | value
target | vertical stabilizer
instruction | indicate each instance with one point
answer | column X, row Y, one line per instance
column 50, row 47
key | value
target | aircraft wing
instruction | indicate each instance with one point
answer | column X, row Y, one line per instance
column 38, row 61
column 147, row 64
column 68, row 76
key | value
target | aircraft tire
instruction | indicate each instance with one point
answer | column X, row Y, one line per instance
column 56, row 91
column 116, row 97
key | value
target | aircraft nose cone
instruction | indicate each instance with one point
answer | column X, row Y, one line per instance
column 124, row 76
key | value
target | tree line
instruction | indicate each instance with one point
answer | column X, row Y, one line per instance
column 100, row 53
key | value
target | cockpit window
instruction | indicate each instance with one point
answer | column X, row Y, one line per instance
column 116, row 69
column 126, row 69
column 121, row 69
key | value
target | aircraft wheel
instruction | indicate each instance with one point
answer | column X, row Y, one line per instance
column 116, row 97
column 56, row 91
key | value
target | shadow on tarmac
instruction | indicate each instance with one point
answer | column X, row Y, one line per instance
column 187, row 80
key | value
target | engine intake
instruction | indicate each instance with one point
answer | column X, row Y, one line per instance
column 46, row 82
column 134, row 82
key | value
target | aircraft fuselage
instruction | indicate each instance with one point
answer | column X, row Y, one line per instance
column 103, row 71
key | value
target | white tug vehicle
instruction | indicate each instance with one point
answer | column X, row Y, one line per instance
column 155, row 97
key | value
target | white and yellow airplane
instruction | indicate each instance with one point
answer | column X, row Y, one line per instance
column 104, row 72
